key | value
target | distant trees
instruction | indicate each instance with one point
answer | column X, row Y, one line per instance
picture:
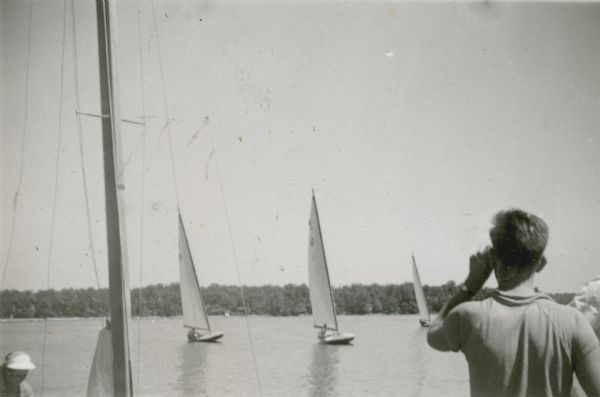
column 156, row 300
column 88, row 302
column 288, row 300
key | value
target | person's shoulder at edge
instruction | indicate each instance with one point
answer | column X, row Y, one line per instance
column 587, row 301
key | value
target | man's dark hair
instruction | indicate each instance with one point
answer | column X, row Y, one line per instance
column 518, row 238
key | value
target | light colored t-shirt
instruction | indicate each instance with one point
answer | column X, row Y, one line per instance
column 519, row 346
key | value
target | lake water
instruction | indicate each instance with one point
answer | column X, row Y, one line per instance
column 389, row 357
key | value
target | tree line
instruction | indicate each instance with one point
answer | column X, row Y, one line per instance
column 288, row 300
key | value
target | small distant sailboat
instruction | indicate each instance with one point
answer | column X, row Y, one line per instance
column 321, row 295
column 424, row 318
column 194, row 312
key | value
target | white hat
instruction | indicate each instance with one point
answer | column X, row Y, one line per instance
column 18, row 360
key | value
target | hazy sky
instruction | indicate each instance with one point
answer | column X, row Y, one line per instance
column 413, row 122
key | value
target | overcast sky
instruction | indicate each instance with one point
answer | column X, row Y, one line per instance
column 413, row 122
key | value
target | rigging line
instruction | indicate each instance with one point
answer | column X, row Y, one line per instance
column 237, row 269
column 100, row 116
column 222, row 193
column 133, row 122
column 23, row 138
column 165, row 105
column 105, row 116
column 56, row 172
column 91, row 244
column 143, row 189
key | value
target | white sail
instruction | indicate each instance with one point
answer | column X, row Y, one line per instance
column 419, row 295
column 194, row 314
column 321, row 296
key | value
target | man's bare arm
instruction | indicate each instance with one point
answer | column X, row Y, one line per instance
column 480, row 268
column 588, row 373
column 436, row 337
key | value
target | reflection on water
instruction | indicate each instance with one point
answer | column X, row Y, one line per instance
column 419, row 358
column 323, row 372
column 191, row 369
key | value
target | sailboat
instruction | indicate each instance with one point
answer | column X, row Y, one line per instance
column 321, row 295
column 194, row 311
column 424, row 318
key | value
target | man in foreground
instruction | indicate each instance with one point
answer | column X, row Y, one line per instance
column 517, row 342
column 13, row 373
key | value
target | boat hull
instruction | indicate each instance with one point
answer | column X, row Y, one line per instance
column 210, row 337
column 337, row 339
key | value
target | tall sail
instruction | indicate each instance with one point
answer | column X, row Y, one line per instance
column 321, row 296
column 194, row 313
column 419, row 295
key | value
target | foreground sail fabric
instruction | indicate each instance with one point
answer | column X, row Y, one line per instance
column 100, row 382
column 419, row 295
column 318, row 277
column 192, row 305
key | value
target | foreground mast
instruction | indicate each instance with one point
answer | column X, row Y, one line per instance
column 113, row 181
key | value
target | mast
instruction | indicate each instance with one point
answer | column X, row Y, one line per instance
column 325, row 259
column 113, row 182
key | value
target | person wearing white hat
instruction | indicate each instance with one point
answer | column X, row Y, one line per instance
column 13, row 373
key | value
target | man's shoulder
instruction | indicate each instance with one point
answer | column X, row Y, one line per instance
column 559, row 309
column 471, row 308
column 566, row 317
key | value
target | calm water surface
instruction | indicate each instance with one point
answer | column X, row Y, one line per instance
column 389, row 357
